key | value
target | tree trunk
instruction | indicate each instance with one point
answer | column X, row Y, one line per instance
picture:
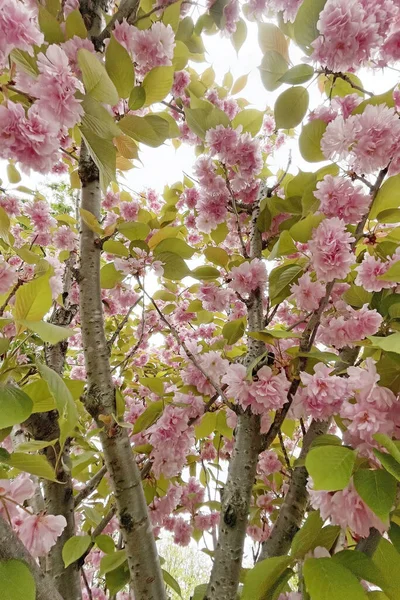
column 146, row 577
column 224, row 580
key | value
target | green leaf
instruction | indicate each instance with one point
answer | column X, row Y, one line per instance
column 378, row 490
column 302, row 230
column 34, row 464
column 13, row 174
column 391, row 343
column 117, row 248
column 385, row 98
column 119, row 68
column 337, row 86
column 175, row 245
column 387, row 197
column 261, row 578
column 134, row 231
column 157, row 84
column 327, row 580
column 171, row 582
column 387, row 559
column 52, row 334
column 171, row 14
column 291, row 107
column 272, row 67
column 250, row 119
column 75, row 25
column 95, row 78
column 200, row 591
column 362, row 566
column 357, row 296
column 234, row 330
column 218, row 256
column 392, row 274
column 305, row 24
column 298, row 74
column 4, row 225
column 173, row 265
column 25, row 62
column 239, row 84
column 310, row 141
column 238, row 38
column 103, row 153
column 15, row 406
column 98, row 120
column 33, row 300
column 149, row 416
column 205, row 273
column 385, row 441
column 306, row 538
column 137, row 98
column 151, row 130
column 118, row 578
column 280, row 280
column 74, row 547
column 283, row 246
column 109, row 276
column 68, row 413
column 49, row 26
column 105, row 543
column 206, row 426
column 330, row 467
column 40, row 395
column 154, row 384
column 271, row 38
column 109, row 562
column 16, row 581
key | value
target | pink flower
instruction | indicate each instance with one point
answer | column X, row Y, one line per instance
column 346, row 509
column 181, row 81
column 269, row 392
column 322, row 394
column 39, row 212
column 307, row 293
column 17, row 490
column 39, row 533
column 289, row 8
column 182, row 532
column 8, row 276
column 258, row 534
column 11, row 205
column 369, row 271
column 71, row 48
column 129, row 210
column 18, row 29
column 148, row 48
column 238, row 386
column 340, row 198
column 366, row 141
column 268, row 463
column 214, row 298
column 64, row 238
column 391, row 48
column 330, row 249
column 248, row 277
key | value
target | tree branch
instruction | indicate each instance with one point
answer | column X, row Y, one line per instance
column 90, row 486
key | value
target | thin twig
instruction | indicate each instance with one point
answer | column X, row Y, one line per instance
column 284, row 451
column 272, row 189
column 89, row 591
column 90, row 486
column 189, row 354
column 122, row 324
column 10, row 295
column 232, row 195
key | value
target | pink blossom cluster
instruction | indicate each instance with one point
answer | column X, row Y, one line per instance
column 248, row 277
column 8, row 276
column 348, row 327
column 181, row 81
column 238, row 151
column 366, row 141
column 214, row 298
column 228, row 105
column 330, row 248
column 55, row 89
column 172, row 437
column 288, row 8
column 375, row 406
column 28, row 138
column 267, row 392
column 37, row 532
column 352, row 31
column 322, row 395
column 346, row 509
column 212, row 200
column 307, row 293
column 148, row 48
column 340, row 198
column 268, row 463
column 213, row 364
column 18, row 29
column 369, row 271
